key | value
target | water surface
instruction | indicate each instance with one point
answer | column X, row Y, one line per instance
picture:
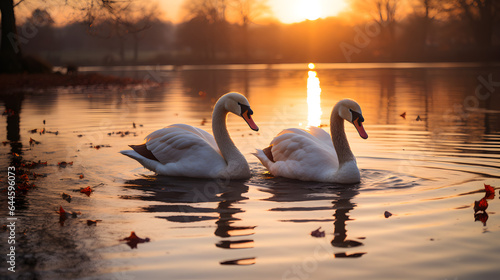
column 427, row 169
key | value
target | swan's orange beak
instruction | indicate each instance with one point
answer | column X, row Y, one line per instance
column 248, row 118
column 358, row 124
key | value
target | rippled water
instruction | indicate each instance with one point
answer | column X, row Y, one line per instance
column 426, row 169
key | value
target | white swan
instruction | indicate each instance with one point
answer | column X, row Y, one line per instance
column 183, row 150
column 313, row 155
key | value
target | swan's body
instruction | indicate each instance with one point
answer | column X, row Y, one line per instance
column 314, row 155
column 183, row 150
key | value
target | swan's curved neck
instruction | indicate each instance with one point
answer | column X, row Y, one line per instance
column 226, row 146
column 339, row 138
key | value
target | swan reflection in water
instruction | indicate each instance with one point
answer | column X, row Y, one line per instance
column 342, row 206
column 285, row 190
column 183, row 195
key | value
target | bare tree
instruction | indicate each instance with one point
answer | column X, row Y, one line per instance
column 207, row 24
column 425, row 13
column 248, row 11
column 10, row 56
column 122, row 20
column 481, row 16
column 92, row 11
column 384, row 12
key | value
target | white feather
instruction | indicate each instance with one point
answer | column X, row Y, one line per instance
column 311, row 155
column 183, row 150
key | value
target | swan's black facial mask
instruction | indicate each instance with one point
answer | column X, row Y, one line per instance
column 246, row 114
column 357, row 120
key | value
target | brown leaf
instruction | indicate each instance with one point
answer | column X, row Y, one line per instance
column 318, row 233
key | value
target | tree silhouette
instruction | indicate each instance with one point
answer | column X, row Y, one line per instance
column 481, row 16
column 248, row 11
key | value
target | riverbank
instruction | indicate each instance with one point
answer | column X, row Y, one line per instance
column 13, row 82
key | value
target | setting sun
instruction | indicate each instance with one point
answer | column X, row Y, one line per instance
column 290, row 11
column 310, row 9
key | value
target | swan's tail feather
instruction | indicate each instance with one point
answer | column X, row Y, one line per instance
column 264, row 159
column 147, row 163
column 143, row 151
column 268, row 153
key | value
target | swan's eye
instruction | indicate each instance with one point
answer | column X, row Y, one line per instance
column 245, row 108
column 356, row 116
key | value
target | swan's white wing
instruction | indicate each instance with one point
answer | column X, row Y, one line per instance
column 183, row 150
column 297, row 154
column 322, row 135
column 200, row 132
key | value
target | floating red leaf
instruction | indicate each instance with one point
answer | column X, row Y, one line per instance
column 62, row 215
column 133, row 240
column 490, row 191
column 81, row 176
column 318, row 233
column 86, row 190
column 480, row 205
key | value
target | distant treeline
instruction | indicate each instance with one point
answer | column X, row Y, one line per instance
column 197, row 41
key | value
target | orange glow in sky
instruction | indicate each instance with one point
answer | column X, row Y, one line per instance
column 286, row 11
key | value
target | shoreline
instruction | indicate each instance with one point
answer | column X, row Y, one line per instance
column 22, row 81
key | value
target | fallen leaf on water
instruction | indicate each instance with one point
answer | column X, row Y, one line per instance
column 66, row 197
column 133, row 240
column 81, row 176
column 318, row 233
column 33, row 164
column 345, row 255
column 480, row 205
column 387, row 214
column 25, row 186
column 34, row 142
column 490, row 191
column 53, row 132
column 9, row 112
column 62, row 215
column 419, row 118
column 64, row 164
column 244, row 261
column 481, row 216
column 93, row 222
column 86, row 190
column 403, row 115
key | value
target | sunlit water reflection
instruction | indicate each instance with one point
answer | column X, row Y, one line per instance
column 434, row 142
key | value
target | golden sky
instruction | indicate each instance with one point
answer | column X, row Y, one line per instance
column 286, row 11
